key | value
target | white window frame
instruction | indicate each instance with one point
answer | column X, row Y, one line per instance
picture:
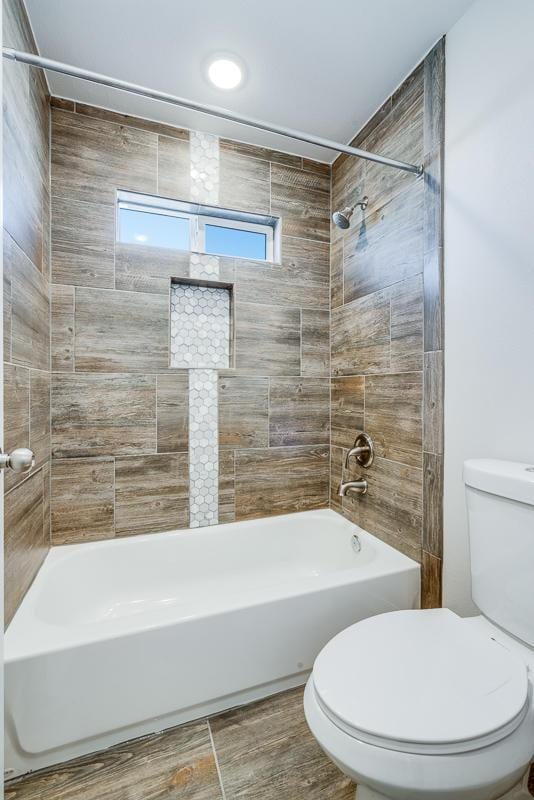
column 199, row 216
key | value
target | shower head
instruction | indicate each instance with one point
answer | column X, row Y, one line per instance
column 342, row 218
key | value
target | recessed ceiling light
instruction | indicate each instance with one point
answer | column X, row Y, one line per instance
column 225, row 73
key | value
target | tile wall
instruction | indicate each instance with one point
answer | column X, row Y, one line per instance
column 155, row 447
column 26, row 235
column 386, row 324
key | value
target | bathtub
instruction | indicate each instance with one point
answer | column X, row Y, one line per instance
column 117, row 639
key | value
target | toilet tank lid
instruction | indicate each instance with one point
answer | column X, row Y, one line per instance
column 511, row 479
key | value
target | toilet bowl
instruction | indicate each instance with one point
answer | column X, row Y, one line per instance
column 425, row 705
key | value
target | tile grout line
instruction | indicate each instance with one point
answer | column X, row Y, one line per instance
column 216, row 759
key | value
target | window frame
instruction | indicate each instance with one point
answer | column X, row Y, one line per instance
column 199, row 216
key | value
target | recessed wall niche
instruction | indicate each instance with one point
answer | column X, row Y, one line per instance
column 201, row 325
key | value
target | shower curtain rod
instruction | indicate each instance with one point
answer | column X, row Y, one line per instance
column 214, row 111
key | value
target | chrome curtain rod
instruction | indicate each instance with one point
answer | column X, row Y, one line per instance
column 214, row 111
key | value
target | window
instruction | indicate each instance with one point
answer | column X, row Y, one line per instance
column 155, row 221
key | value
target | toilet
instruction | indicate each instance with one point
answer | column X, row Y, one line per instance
column 414, row 705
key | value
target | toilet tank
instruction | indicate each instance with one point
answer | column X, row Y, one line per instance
column 500, row 509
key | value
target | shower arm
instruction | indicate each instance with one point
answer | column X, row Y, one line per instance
column 203, row 108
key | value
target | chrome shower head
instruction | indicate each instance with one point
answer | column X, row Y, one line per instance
column 342, row 218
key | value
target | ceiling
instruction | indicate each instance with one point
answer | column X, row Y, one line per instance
column 315, row 65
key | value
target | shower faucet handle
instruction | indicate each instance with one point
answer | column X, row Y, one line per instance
column 362, row 450
column 19, row 460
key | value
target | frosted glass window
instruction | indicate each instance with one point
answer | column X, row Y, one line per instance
column 158, row 230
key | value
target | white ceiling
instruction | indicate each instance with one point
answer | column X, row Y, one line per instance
column 316, row 65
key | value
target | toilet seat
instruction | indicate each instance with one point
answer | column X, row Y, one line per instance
column 420, row 682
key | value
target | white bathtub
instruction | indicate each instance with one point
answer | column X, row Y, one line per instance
column 120, row 638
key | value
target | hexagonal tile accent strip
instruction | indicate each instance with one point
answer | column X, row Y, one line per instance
column 200, row 327
column 203, row 448
column 204, row 167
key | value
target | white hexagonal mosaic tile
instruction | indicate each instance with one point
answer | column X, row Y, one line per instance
column 204, row 167
column 203, row 448
column 200, row 327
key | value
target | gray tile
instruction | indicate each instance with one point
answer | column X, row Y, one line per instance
column 263, row 153
column 393, row 415
column 347, row 408
column 433, row 403
column 302, row 200
column 25, row 544
column 131, row 122
column 244, row 183
column 121, row 331
column 83, row 240
column 40, row 441
column 315, row 349
column 62, row 338
column 30, row 309
column 226, row 486
column 407, row 325
column 299, row 411
column 433, row 299
column 92, row 158
column 387, row 246
column 173, row 412
column 360, row 336
column 433, row 504
column 281, row 480
column 82, row 499
column 434, row 87
column 174, row 168
column 243, row 412
column 16, row 415
column 140, row 268
column 151, row 493
column 336, row 273
column 265, row 751
column 267, row 339
column 100, row 415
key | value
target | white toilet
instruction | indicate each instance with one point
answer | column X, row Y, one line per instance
column 425, row 704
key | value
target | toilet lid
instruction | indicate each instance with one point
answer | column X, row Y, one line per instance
column 419, row 681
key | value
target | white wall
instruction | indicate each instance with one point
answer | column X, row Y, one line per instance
column 489, row 257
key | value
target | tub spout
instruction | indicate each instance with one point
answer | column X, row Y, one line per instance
column 356, row 487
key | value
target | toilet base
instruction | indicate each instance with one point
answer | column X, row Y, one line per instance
column 518, row 792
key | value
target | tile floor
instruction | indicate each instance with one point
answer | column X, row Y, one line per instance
column 260, row 752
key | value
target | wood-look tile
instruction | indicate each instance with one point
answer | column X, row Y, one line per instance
column 47, row 236
column 177, row 764
column 407, row 325
column 100, row 415
column 151, row 493
column 315, row 349
column 25, row 545
column 7, row 303
column 263, row 153
column 47, row 527
column 267, row 339
column 40, row 441
column 337, row 461
column 83, row 239
column 431, row 581
column 63, row 103
column 16, row 416
column 243, row 412
column 173, row 412
column 92, row 158
column 226, row 486
column 433, row 504
column 299, row 411
column 434, row 102
column 30, row 309
column 387, row 246
column 433, row 199
column 82, row 499
column 302, row 200
column 132, row 122
column 398, row 134
column 360, row 336
column 347, row 409
column 62, row 321
column 121, row 331
column 393, row 415
column 336, row 273
column 281, row 480
column 174, row 168
column 265, row 751
column 433, row 299
column 392, row 508
column 433, row 402
column 347, row 187
column 319, row 167
column 140, row 268
column 244, row 183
